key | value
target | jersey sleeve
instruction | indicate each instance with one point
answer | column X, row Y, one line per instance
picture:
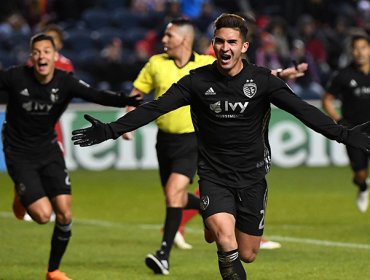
column 176, row 96
column 334, row 85
column 144, row 81
column 284, row 98
column 4, row 79
column 4, row 86
column 81, row 89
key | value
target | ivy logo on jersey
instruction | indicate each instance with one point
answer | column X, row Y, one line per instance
column 54, row 95
column 216, row 107
column 249, row 88
column 204, row 202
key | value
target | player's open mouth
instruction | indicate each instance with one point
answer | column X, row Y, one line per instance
column 225, row 58
column 42, row 66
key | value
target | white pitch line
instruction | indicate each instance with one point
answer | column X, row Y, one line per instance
column 319, row 242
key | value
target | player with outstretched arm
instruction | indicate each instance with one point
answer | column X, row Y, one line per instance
column 38, row 95
column 231, row 125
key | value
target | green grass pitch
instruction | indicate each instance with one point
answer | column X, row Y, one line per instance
column 118, row 216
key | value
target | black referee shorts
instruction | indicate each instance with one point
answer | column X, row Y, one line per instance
column 359, row 160
column 36, row 178
column 176, row 153
column 247, row 204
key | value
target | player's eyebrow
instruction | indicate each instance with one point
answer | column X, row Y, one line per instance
column 220, row 40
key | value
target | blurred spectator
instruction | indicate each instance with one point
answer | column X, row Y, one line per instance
column 267, row 54
column 307, row 86
column 307, row 31
column 147, row 47
column 14, row 23
column 192, row 8
column 206, row 17
column 338, row 41
column 113, row 67
column 278, row 27
column 315, row 44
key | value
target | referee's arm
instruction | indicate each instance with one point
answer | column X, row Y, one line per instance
column 135, row 91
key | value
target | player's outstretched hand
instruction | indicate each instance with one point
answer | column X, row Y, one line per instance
column 92, row 135
column 294, row 72
column 134, row 100
column 359, row 137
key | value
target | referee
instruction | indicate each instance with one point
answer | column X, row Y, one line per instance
column 176, row 140
column 231, row 125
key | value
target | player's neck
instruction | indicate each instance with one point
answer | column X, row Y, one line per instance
column 183, row 58
column 44, row 79
column 364, row 68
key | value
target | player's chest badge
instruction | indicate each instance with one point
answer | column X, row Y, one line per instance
column 54, row 95
column 249, row 88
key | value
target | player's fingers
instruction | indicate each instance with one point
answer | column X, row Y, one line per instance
column 127, row 136
column 91, row 119
column 79, row 131
column 80, row 142
column 78, row 137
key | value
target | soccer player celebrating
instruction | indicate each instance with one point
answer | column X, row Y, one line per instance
column 231, row 125
column 62, row 63
column 176, row 141
column 352, row 86
column 38, row 95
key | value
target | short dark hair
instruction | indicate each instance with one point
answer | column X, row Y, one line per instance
column 232, row 21
column 360, row 36
column 181, row 21
column 41, row 37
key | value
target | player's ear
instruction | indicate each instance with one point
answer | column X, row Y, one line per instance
column 56, row 55
column 245, row 47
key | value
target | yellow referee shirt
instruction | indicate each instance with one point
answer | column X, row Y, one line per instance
column 158, row 74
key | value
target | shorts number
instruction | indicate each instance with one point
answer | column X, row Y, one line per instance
column 262, row 222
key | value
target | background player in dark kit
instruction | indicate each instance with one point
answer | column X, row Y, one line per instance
column 37, row 96
column 351, row 86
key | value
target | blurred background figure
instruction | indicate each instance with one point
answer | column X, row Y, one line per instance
column 351, row 85
column 307, row 86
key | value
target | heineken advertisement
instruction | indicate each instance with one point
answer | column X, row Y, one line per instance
column 291, row 142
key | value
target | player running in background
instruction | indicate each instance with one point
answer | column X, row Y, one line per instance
column 351, row 86
column 37, row 96
column 62, row 63
column 231, row 126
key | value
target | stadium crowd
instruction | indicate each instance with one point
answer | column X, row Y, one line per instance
column 109, row 41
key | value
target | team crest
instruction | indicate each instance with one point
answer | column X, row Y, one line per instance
column 204, row 202
column 54, row 95
column 249, row 88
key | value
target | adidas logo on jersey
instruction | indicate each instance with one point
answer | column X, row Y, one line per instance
column 25, row 92
column 210, row 91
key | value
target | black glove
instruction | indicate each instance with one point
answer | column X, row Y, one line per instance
column 134, row 100
column 359, row 137
column 92, row 135
column 343, row 122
